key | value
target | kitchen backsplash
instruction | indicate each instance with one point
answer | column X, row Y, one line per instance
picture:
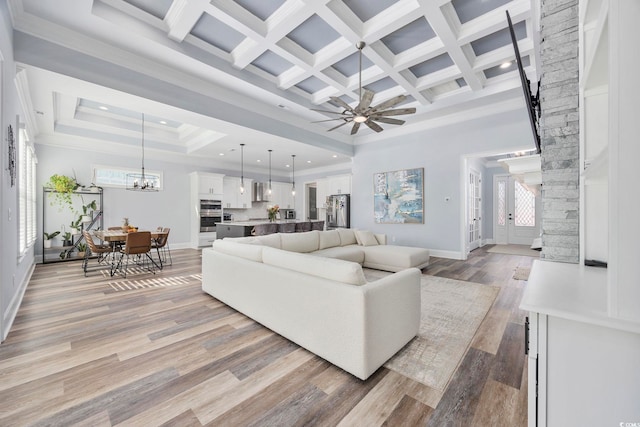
column 258, row 210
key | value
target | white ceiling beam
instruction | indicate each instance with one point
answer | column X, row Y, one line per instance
column 182, row 16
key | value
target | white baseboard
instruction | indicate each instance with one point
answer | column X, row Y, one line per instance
column 14, row 305
column 487, row 242
column 445, row 254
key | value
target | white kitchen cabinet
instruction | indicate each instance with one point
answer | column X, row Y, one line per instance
column 281, row 195
column 339, row 184
column 321, row 193
column 232, row 198
column 209, row 184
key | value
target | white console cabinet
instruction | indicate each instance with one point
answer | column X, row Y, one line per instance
column 583, row 364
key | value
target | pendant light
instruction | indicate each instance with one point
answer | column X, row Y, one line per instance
column 269, row 189
column 139, row 182
column 293, row 175
column 241, row 168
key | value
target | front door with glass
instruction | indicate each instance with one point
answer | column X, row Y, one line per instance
column 516, row 212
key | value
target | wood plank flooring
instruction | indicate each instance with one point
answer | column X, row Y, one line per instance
column 80, row 353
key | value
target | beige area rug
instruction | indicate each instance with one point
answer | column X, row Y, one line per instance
column 452, row 311
column 522, row 273
column 514, row 250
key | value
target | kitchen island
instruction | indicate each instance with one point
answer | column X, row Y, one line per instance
column 246, row 228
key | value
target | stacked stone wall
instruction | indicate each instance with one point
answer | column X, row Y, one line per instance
column 560, row 131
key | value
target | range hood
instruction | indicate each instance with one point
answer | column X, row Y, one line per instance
column 259, row 192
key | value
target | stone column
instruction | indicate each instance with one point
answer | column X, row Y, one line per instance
column 560, row 131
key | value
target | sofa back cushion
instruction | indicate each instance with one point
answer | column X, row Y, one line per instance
column 300, row 242
column 271, row 240
column 347, row 236
column 329, row 239
column 366, row 238
column 242, row 250
column 327, row 268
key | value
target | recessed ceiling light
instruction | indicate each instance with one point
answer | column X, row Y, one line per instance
column 287, row 166
column 258, row 160
column 334, row 156
column 220, row 154
column 162, row 122
column 102, row 107
column 308, row 161
column 505, row 64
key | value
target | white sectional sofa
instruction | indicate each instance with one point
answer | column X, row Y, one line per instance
column 361, row 246
column 322, row 303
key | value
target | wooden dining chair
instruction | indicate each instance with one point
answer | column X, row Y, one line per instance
column 138, row 246
column 102, row 252
column 161, row 245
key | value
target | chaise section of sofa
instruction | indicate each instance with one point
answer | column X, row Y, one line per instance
column 324, row 305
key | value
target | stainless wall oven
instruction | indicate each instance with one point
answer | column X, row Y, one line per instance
column 210, row 213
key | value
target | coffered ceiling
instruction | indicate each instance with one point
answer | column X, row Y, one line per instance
column 222, row 72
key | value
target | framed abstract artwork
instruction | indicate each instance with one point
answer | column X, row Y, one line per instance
column 398, row 197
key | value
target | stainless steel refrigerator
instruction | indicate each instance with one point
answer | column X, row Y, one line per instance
column 338, row 215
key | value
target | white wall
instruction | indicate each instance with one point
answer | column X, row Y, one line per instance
column 440, row 153
column 15, row 271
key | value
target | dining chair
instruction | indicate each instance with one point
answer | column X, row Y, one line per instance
column 161, row 245
column 303, row 226
column 264, row 229
column 287, row 227
column 102, row 252
column 317, row 225
column 137, row 245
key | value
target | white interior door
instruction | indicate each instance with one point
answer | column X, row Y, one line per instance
column 474, row 212
column 516, row 212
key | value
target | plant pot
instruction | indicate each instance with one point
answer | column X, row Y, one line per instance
column 81, row 254
column 74, row 231
column 67, row 243
column 47, row 243
column 86, row 218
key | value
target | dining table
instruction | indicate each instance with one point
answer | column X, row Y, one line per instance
column 118, row 237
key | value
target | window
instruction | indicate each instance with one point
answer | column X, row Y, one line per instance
column 525, row 212
column 27, row 192
column 107, row 176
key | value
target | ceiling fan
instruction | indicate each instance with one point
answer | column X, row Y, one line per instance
column 364, row 113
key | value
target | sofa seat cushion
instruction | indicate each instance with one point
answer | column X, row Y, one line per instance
column 326, row 268
column 351, row 253
column 395, row 258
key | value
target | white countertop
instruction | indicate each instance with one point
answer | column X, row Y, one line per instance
column 264, row 221
column 573, row 292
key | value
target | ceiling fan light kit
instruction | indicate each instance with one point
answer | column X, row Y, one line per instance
column 364, row 113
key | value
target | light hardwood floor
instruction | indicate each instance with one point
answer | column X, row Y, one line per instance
column 81, row 353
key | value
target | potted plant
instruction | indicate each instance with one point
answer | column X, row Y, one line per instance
column 86, row 210
column 74, row 227
column 66, row 239
column 82, row 249
column 63, row 187
column 48, row 237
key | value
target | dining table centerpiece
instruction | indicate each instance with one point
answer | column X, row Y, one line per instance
column 272, row 212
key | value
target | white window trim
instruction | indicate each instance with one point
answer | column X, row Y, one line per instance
column 125, row 171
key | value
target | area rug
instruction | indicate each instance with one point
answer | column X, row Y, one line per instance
column 521, row 273
column 153, row 282
column 514, row 250
column 452, row 311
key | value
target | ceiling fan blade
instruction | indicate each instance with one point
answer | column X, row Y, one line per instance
column 336, row 127
column 397, row 112
column 327, row 111
column 387, row 120
column 354, row 129
column 329, row 120
column 366, row 100
column 389, row 103
column 341, row 103
column 373, row 125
